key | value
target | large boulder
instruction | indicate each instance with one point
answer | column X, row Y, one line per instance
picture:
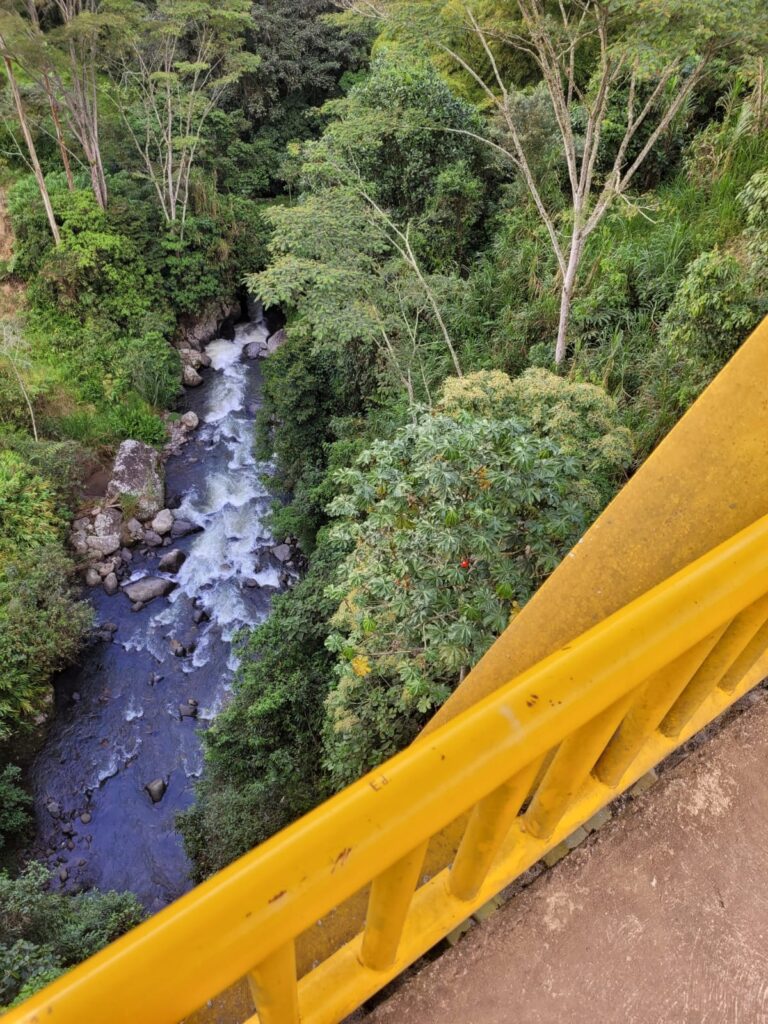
column 138, row 475
column 194, row 332
column 190, row 420
column 147, row 589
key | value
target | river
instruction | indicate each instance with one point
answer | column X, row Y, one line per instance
column 117, row 723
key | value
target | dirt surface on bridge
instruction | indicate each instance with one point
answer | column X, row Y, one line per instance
column 661, row 918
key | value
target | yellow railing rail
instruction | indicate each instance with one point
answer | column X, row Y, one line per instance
column 530, row 762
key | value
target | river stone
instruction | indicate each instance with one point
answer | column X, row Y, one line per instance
column 132, row 532
column 53, row 809
column 274, row 341
column 85, row 817
column 105, row 545
column 188, row 710
column 163, row 522
column 172, row 561
column 138, row 473
column 152, row 539
column 156, row 789
column 181, row 527
column 190, row 420
column 148, row 589
column 107, row 522
column 92, row 578
column 254, row 350
column 282, row 552
column 191, row 377
column 79, row 542
column 111, row 585
column 126, row 554
column 63, row 874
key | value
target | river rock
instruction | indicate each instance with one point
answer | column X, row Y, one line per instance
column 195, row 331
column 156, row 789
column 67, row 828
column 191, row 377
column 126, row 555
column 92, row 578
column 147, row 589
column 200, row 615
column 274, row 341
column 53, row 809
column 190, row 420
column 181, row 527
column 85, row 817
column 138, row 474
column 282, row 552
column 255, row 350
column 163, row 522
column 104, row 545
column 131, row 532
column 188, row 710
column 111, row 585
column 152, row 539
column 137, row 606
column 172, row 561
column 79, row 542
column 107, row 522
column 63, row 875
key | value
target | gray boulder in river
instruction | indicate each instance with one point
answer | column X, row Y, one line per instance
column 138, row 475
column 148, row 589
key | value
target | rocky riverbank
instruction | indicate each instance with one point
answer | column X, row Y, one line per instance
column 180, row 559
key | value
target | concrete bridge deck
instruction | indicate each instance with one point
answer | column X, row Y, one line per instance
column 659, row 918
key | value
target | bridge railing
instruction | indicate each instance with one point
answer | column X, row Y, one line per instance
column 530, row 763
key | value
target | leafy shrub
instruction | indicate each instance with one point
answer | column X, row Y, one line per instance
column 28, row 516
column 42, row 627
column 15, row 804
column 452, row 526
column 44, row 932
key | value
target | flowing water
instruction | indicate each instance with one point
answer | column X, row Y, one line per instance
column 118, row 725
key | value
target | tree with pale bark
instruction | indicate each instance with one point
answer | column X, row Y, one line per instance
column 642, row 62
column 172, row 67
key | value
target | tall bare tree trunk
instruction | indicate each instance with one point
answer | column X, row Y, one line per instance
column 566, row 295
column 59, row 133
column 37, row 170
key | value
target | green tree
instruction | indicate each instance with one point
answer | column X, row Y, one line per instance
column 452, row 526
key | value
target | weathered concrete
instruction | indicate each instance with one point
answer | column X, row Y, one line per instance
column 660, row 918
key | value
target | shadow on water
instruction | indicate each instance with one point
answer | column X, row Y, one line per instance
column 118, row 724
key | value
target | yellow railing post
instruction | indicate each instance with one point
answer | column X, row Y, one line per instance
column 274, row 987
column 653, row 701
column 486, row 829
column 756, row 646
column 388, row 903
column 733, row 642
column 570, row 767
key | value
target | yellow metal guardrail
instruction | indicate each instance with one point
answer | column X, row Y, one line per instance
column 530, row 762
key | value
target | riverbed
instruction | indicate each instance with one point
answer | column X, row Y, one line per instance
column 118, row 722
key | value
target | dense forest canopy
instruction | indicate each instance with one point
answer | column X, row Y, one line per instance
column 512, row 243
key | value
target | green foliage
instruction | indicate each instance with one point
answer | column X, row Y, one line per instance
column 15, row 804
column 44, row 933
column 41, row 625
column 452, row 525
